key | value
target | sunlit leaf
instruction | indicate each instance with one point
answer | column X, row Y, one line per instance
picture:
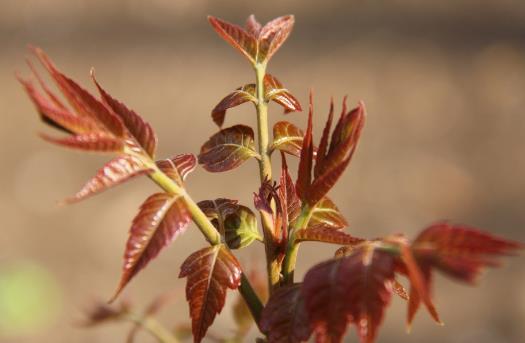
column 290, row 202
column 275, row 91
column 210, row 272
column 326, row 214
column 252, row 26
column 161, row 219
column 240, row 228
column 217, row 210
column 273, row 35
column 136, row 126
column 179, row 167
column 236, row 98
column 96, row 141
column 288, row 138
column 284, row 318
column 304, row 178
column 236, row 36
column 116, row 171
column 262, row 200
column 353, row 289
column 327, row 235
column 228, row 149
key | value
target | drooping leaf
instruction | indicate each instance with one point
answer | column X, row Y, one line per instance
column 288, row 138
column 116, row 171
column 139, row 129
column 327, row 235
column 161, row 219
column 275, row 91
column 326, row 214
column 240, row 228
column 179, row 167
column 273, row 35
column 84, row 104
column 239, row 96
column 353, row 289
column 217, row 210
column 237, row 37
column 96, row 141
column 228, row 149
column 210, row 272
column 284, row 318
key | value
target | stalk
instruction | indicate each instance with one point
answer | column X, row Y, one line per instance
column 205, row 226
column 292, row 249
column 265, row 171
column 156, row 329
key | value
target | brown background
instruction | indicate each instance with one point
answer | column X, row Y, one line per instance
column 444, row 84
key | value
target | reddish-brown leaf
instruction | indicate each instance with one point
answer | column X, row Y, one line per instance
column 217, row 210
column 210, row 272
column 139, row 129
column 253, row 26
column 95, row 141
column 323, row 145
column 352, row 289
column 326, row 214
column 116, row 171
column 239, row 96
column 288, row 138
column 237, row 37
column 460, row 251
column 327, row 235
column 284, row 318
column 161, row 219
column 81, row 100
column 228, row 149
column 273, row 35
column 179, row 167
column 290, row 202
column 57, row 116
column 322, row 184
column 275, row 91
column 400, row 290
column 100, row 313
column 304, row 178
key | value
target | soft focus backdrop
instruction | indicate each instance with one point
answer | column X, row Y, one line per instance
column 444, row 84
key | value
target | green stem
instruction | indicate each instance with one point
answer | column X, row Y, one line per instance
column 155, row 328
column 265, row 171
column 292, row 248
column 206, row 227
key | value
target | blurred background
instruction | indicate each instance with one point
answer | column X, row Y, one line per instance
column 444, row 85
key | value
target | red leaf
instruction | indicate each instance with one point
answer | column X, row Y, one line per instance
column 217, row 210
column 179, row 167
column 236, row 36
column 253, row 26
column 326, row 214
column 290, row 203
column 288, row 138
column 273, row 35
column 81, row 100
column 137, row 127
column 161, row 218
column 322, row 184
column 284, row 318
column 304, row 178
column 460, row 251
column 353, row 289
column 228, row 149
column 57, row 116
column 274, row 90
column 210, row 272
column 323, row 145
column 327, row 235
column 115, row 172
column 96, row 141
column 239, row 96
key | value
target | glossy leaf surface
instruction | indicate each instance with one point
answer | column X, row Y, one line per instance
column 353, row 289
column 116, row 171
column 95, row 142
column 327, row 235
column 228, row 149
column 288, row 138
column 326, row 214
column 217, row 210
column 179, row 167
column 161, row 219
column 236, row 98
column 240, row 228
column 285, row 318
column 237, row 37
column 209, row 272
column 289, row 201
column 275, row 91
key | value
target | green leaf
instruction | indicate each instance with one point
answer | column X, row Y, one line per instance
column 240, row 228
column 228, row 149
